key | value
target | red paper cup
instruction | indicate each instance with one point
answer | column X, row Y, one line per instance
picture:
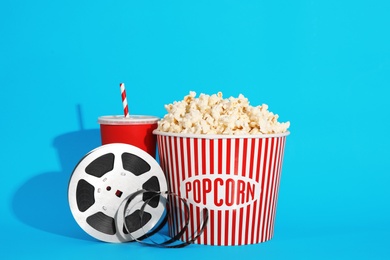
column 136, row 130
column 235, row 177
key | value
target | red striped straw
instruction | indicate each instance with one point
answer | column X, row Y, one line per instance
column 124, row 100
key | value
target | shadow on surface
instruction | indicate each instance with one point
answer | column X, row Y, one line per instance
column 42, row 201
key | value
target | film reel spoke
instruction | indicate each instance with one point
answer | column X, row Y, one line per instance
column 91, row 210
column 92, row 180
column 117, row 166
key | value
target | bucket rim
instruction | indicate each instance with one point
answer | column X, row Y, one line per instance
column 220, row 136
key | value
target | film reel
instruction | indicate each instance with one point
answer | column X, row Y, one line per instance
column 103, row 179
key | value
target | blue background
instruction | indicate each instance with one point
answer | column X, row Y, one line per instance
column 323, row 65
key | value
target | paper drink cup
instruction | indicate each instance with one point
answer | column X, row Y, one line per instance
column 136, row 130
column 235, row 177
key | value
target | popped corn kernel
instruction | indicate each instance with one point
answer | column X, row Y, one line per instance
column 212, row 114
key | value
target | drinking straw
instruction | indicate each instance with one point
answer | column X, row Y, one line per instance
column 124, row 100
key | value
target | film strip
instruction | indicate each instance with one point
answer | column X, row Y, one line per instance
column 118, row 193
column 175, row 241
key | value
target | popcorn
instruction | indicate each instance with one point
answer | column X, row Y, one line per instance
column 212, row 114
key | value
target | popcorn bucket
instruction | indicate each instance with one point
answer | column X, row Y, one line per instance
column 236, row 177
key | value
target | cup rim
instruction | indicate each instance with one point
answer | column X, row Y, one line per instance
column 221, row 136
column 131, row 120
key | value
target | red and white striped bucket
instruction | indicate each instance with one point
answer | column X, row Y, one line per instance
column 235, row 177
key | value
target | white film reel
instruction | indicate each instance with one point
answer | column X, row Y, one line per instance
column 100, row 183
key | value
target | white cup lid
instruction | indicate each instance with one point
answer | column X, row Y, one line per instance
column 132, row 119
